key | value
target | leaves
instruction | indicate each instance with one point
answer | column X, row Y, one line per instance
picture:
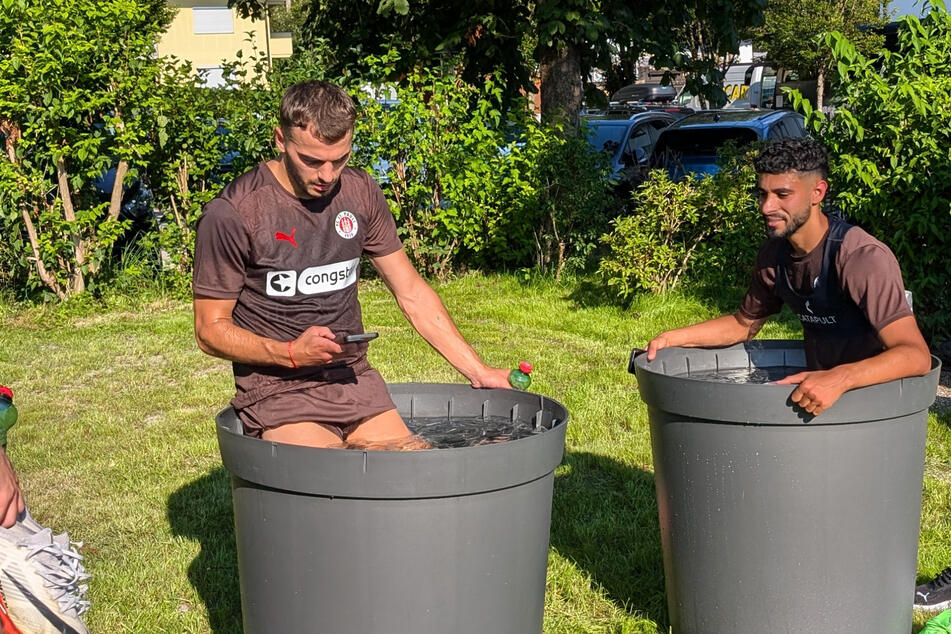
column 511, row 40
column 889, row 145
column 67, row 72
column 796, row 33
column 697, row 228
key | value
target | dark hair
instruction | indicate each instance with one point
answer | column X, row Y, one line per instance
column 325, row 110
column 793, row 154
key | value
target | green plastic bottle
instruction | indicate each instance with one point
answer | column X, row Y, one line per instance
column 8, row 413
column 519, row 377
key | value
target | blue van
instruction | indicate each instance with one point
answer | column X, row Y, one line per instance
column 628, row 135
column 690, row 145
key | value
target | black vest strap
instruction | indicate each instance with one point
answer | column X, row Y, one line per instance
column 826, row 311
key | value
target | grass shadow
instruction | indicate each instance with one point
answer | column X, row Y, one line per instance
column 202, row 510
column 722, row 297
column 588, row 292
column 604, row 519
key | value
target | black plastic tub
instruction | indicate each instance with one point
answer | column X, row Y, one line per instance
column 776, row 521
column 343, row 541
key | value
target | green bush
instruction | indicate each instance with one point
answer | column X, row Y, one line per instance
column 471, row 185
column 77, row 96
column 435, row 149
column 701, row 230
column 567, row 204
column 890, row 153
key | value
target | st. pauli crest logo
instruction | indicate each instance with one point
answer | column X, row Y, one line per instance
column 346, row 224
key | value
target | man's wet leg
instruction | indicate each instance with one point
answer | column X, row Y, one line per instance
column 308, row 434
column 385, row 431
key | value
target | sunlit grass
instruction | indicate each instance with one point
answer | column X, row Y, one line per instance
column 116, row 444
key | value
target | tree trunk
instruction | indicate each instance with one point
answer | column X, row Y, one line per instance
column 561, row 85
column 820, row 88
column 12, row 135
column 115, row 202
column 78, row 282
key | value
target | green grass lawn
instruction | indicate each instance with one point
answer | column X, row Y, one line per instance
column 116, row 444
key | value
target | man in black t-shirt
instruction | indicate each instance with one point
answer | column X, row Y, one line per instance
column 277, row 260
column 844, row 285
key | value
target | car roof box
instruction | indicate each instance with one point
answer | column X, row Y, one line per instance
column 644, row 92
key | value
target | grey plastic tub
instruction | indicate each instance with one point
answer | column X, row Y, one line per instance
column 775, row 521
column 337, row 541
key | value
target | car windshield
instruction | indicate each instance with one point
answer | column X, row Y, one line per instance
column 702, row 141
column 606, row 137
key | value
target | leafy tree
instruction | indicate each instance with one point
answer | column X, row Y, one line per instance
column 471, row 185
column 559, row 40
column 889, row 144
column 77, row 85
column 793, row 33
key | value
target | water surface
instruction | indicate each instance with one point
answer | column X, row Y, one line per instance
column 471, row 431
column 744, row 375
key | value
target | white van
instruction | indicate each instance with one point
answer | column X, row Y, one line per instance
column 735, row 85
column 757, row 85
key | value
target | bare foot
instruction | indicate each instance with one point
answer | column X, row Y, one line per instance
column 412, row 442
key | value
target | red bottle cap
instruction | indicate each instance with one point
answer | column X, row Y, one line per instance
column 525, row 367
column 5, row 391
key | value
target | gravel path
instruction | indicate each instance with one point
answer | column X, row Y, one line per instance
column 942, row 403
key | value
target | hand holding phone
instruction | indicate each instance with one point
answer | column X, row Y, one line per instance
column 360, row 338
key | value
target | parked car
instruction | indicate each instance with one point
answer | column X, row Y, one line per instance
column 137, row 200
column 652, row 93
column 690, row 145
column 628, row 135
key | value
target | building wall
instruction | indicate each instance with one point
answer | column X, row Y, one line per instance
column 222, row 33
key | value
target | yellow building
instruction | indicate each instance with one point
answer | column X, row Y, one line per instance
column 205, row 32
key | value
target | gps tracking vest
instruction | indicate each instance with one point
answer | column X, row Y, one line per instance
column 827, row 313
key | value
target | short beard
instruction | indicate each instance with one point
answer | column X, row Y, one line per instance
column 795, row 222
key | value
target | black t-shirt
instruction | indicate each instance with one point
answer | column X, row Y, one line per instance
column 868, row 274
column 290, row 263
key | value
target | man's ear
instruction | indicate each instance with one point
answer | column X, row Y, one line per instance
column 819, row 191
column 279, row 138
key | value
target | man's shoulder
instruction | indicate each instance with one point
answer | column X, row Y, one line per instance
column 858, row 242
column 240, row 190
column 856, row 236
column 356, row 179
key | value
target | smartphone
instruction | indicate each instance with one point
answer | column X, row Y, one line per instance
column 366, row 336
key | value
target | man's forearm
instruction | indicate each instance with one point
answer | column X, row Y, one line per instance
column 428, row 315
column 722, row 331
column 895, row 363
column 222, row 338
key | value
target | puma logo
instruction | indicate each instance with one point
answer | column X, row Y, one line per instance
column 289, row 238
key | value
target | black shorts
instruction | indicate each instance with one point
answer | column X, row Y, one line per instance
column 343, row 404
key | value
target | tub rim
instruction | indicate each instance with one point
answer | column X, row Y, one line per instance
column 662, row 387
column 432, row 473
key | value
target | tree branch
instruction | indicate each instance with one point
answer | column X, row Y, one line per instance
column 45, row 276
column 78, row 283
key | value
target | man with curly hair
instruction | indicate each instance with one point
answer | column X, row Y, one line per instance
column 844, row 285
